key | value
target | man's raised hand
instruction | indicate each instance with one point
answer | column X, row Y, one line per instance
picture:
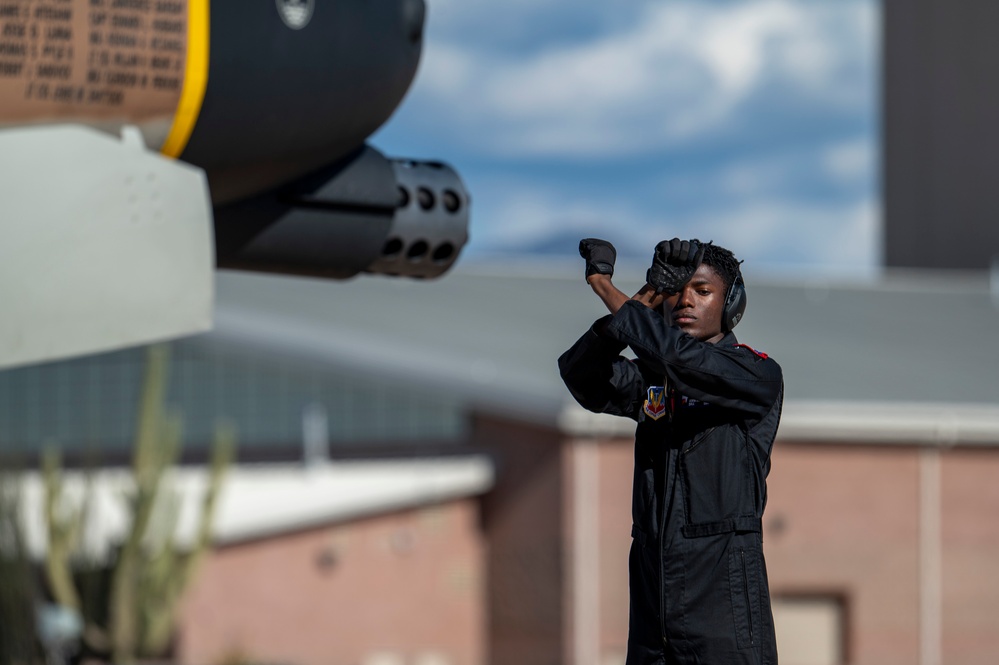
column 599, row 255
column 673, row 263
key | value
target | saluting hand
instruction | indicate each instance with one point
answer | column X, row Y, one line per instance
column 673, row 263
column 599, row 255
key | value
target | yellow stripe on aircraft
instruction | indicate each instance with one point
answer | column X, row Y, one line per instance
column 195, row 79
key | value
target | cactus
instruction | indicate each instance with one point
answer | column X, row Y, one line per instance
column 157, row 444
column 170, row 568
column 150, row 570
column 64, row 527
column 18, row 641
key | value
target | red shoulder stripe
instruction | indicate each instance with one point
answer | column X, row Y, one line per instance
column 759, row 353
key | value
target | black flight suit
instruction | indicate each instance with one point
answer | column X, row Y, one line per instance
column 707, row 416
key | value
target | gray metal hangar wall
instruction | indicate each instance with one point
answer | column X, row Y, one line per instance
column 940, row 136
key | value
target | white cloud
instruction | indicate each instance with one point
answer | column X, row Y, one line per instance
column 771, row 233
column 850, row 161
column 755, row 176
column 748, row 122
column 829, row 238
column 680, row 70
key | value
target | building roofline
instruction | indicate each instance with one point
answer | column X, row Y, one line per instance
column 258, row 501
column 892, row 279
column 907, row 423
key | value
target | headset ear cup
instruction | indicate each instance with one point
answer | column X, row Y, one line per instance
column 735, row 304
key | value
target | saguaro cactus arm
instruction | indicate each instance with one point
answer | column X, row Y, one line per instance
column 63, row 533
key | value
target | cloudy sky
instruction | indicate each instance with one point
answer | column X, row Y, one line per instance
column 749, row 122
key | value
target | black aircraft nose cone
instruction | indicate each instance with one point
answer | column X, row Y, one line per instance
column 414, row 13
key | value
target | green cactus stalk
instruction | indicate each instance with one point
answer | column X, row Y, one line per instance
column 18, row 641
column 63, row 533
column 151, row 569
column 171, row 568
column 156, row 448
column 64, row 527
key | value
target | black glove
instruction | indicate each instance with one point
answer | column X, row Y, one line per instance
column 673, row 264
column 599, row 254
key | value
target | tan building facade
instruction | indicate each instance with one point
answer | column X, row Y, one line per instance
column 396, row 589
column 880, row 532
column 878, row 554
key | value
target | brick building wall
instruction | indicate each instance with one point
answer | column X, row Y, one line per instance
column 523, row 522
column 598, row 536
column 398, row 589
column 845, row 530
column 886, row 527
column 856, row 537
column 970, row 532
column 616, row 464
column 843, row 522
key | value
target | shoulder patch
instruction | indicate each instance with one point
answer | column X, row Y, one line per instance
column 759, row 353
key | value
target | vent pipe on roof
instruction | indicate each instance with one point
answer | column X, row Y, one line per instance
column 994, row 280
column 315, row 435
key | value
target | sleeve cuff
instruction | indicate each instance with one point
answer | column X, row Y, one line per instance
column 601, row 338
column 616, row 322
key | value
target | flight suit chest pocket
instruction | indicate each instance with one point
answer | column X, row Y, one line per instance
column 717, row 482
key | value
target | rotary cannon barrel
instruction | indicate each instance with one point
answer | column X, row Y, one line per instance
column 365, row 214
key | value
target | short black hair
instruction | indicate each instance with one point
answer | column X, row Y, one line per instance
column 724, row 263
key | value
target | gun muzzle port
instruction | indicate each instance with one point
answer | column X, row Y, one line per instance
column 392, row 247
column 450, row 200
column 417, row 250
column 443, row 253
column 425, row 197
column 429, row 225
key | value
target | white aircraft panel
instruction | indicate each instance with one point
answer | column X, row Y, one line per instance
column 103, row 244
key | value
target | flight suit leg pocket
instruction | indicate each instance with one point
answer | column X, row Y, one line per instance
column 744, row 583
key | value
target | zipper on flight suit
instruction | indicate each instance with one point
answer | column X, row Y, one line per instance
column 670, row 406
column 745, row 588
column 662, row 562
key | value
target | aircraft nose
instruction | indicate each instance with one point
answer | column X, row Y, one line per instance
column 414, row 14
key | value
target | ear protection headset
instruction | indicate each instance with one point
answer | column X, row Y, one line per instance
column 735, row 303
